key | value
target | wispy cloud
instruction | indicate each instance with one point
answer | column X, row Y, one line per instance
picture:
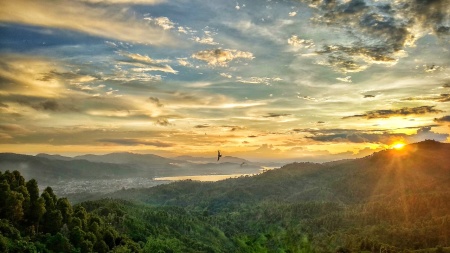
column 276, row 115
column 145, row 63
column 256, row 80
column 396, row 112
column 440, row 98
column 113, row 22
column 137, row 142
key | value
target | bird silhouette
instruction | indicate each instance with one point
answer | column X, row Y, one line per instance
column 218, row 155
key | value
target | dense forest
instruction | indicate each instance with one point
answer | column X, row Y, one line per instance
column 391, row 201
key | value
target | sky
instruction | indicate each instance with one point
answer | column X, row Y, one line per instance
column 258, row 79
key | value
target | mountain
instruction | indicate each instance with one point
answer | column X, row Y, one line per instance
column 390, row 174
column 141, row 160
column 55, row 157
column 224, row 159
column 390, row 201
column 105, row 173
column 47, row 170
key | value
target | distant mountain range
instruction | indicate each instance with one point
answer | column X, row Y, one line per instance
column 387, row 175
column 50, row 168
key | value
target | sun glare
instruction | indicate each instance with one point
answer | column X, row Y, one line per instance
column 398, row 145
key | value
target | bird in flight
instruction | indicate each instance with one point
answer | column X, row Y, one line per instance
column 218, row 155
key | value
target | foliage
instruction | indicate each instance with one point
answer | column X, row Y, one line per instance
column 387, row 202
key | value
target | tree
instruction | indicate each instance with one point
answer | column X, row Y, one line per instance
column 65, row 208
column 14, row 207
column 52, row 221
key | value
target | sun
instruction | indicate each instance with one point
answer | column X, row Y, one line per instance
column 398, row 145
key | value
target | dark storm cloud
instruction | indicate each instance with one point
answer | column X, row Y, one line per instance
column 137, row 142
column 443, row 119
column 369, row 96
column 380, row 29
column 156, row 101
column 396, row 112
column 447, row 85
column 432, row 13
column 276, row 115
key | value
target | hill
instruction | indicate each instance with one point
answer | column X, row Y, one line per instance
column 110, row 172
column 391, row 201
column 48, row 170
column 396, row 198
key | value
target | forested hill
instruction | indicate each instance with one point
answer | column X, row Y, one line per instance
column 419, row 168
column 391, row 201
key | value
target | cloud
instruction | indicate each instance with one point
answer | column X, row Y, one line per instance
column 226, row 75
column 347, row 79
column 425, row 133
column 234, row 128
column 360, row 136
column 276, row 115
column 205, row 39
column 369, row 96
column 163, row 22
column 295, row 41
column 14, row 129
column 49, row 105
column 112, row 22
column 440, row 98
column 351, row 135
column 137, row 142
column 163, row 122
column 258, row 80
column 202, row 126
column 221, row 57
column 156, row 101
column 147, row 2
column 184, row 62
column 381, row 29
column 433, row 68
column 28, row 75
column 396, row 112
column 145, row 63
column 443, row 119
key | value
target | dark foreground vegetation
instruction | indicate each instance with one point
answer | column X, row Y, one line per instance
column 392, row 201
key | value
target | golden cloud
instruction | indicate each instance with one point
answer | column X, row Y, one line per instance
column 99, row 21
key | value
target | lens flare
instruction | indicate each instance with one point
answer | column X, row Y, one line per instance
column 398, row 145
